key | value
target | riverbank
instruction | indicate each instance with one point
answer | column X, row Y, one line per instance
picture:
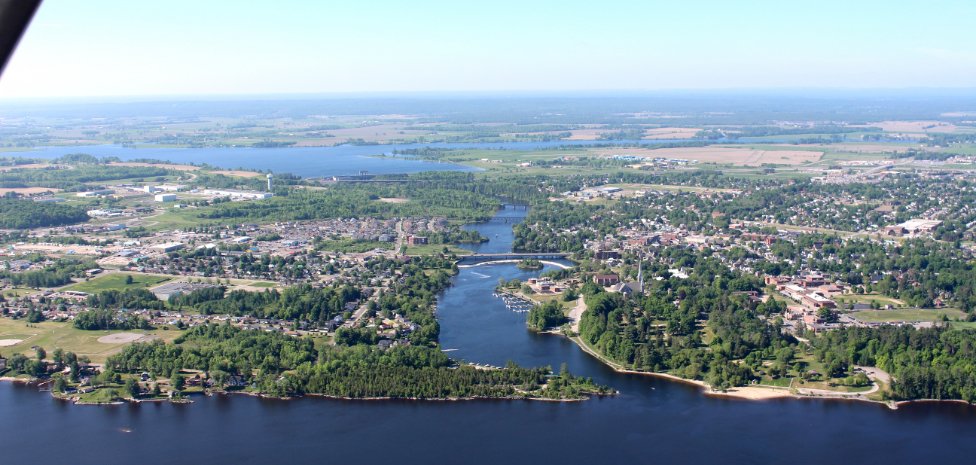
column 753, row 392
column 77, row 400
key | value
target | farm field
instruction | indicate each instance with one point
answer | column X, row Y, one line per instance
column 117, row 281
column 868, row 298
column 884, row 316
column 51, row 335
column 737, row 156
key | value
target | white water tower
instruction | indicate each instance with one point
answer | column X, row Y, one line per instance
column 269, row 182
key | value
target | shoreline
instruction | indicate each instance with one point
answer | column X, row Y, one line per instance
column 186, row 400
column 749, row 393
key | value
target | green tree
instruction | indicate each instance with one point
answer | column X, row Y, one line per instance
column 132, row 388
column 176, row 380
column 60, row 385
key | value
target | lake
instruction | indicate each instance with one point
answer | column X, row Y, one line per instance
column 340, row 160
column 651, row 421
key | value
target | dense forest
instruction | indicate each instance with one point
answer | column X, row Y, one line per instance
column 77, row 176
column 351, row 200
column 92, row 320
column 280, row 365
column 934, row 363
column 917, row 271
column 651, row 333
column 25, row 214
column 56, row 274
column 125, row 299
column 545, row 316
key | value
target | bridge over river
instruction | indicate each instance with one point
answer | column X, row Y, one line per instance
column 478, row 258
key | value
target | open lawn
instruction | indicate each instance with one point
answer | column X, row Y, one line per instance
column 168, row 166
column 239, row 173
column 51, row 335
column 117, row 281
column 832, row 385
column 914, row 314
column 18, row 292
column 631, row 188
column 738, row 156
column 181, row 218
column 353, row 246
column 778, row 382
column 544, row 298
column 830, row 157
column 915, row 126
column 868, row 298
column 27, row 190
column 433, row 249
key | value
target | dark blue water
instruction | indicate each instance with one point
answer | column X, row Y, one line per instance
column 498, row 230
column 342, row 160
column 651, row 421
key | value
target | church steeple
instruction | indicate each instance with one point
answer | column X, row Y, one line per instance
column 640, row 273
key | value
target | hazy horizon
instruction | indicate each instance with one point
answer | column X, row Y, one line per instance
column 185, row 49
column 784, row 92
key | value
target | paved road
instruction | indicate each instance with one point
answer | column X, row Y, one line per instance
column 400, row 237
column 361, row 311
column 576, row 313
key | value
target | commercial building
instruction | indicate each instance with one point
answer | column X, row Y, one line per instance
column 238, row 195
column 168, row 247
column 95, row 193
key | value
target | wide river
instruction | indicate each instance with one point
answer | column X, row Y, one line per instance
column 340, row 160
column 651, row 421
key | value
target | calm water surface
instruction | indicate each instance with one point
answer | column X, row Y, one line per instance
column 651, row 421
column 341, row 160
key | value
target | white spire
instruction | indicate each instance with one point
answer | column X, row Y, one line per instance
column 640, row 273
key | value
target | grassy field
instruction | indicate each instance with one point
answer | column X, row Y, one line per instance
column 778, row 382
column 868, row 298
column 181, row 218
column 18, row 292
column 51, row 335
column 262, row 284
column 353, row 246
column 913, row 314
column 433, row 249
column 850, row 156
column 630, row 187
column 544, row 298
column 832, row 385
column 116, row 281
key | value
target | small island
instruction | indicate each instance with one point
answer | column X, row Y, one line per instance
column 529, row 264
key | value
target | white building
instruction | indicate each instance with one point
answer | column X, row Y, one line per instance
column 168, row 247
column 95, row 193
column 238, row 195
column 99, row 213
column 165, row 197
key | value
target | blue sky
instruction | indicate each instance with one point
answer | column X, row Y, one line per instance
column 175, row 47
